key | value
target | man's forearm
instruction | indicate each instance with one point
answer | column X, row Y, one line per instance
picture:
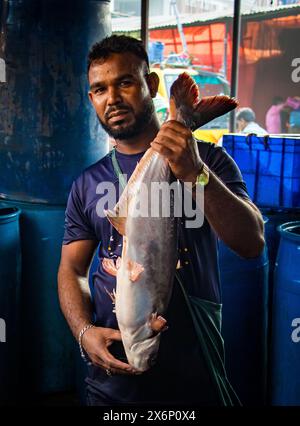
column 238, row 223
column 75, row 300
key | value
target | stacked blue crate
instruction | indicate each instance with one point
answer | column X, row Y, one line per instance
column 270, row 166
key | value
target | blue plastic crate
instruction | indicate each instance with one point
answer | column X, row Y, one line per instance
column 156, row 51
column 270, row 166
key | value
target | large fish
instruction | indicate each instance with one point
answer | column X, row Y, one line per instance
column 145, row 272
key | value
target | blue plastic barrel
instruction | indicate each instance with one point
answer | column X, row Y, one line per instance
column 244, row 284
column 47, row 346
column 49, row 131
column 285, row 377
column 276, row 217
column 10, row 274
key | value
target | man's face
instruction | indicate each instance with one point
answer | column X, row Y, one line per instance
column 241, row 124
column 120, row 95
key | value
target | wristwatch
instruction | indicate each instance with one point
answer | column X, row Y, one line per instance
column 203, row 177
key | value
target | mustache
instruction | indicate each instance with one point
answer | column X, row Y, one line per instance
column 119, row 108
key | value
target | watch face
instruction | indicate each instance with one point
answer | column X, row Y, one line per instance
column 203, row 178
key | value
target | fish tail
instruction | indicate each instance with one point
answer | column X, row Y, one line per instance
column 211, row 107
column 193, row 111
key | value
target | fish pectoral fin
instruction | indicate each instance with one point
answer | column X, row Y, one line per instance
column 109, row 266
column 158, row 323
column 135, row 270
column 118, row 222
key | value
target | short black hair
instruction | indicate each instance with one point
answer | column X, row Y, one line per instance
column 245, row 113
column 116, row 44
column 277, row 100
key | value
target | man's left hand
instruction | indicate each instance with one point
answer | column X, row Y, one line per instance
column 175, row 142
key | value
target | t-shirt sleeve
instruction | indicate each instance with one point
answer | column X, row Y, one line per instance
column 224, row 166
column 77, row 226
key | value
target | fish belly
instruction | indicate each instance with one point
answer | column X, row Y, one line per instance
column 150, row 246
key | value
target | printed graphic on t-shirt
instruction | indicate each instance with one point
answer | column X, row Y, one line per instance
column 112, row 296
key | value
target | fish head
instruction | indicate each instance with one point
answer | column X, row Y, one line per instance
column 142, row 355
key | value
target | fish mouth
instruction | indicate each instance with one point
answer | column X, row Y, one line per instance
column 150, row 348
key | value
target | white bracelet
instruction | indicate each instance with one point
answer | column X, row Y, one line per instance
column 82, row 331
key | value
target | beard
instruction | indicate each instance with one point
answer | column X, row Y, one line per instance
column 125, row 131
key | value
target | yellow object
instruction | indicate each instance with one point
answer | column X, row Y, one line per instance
column 209, row 84
column 210, row 135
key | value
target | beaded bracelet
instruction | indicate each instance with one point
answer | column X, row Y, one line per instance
column 82, row 331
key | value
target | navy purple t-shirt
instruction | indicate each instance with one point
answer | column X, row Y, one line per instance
column 199, row 272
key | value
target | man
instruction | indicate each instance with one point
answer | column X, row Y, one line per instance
column 273, row 116
column 245, row 120
column 121, row 91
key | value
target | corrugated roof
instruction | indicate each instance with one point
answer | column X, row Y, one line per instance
column 133, row 23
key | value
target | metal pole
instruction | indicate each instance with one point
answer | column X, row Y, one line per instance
column 225, row 49
column 235, row 56
column 145, row 23
column 173, row 5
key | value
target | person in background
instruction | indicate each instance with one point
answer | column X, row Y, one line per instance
column 273, row 116
column 245, row 121
column 281, row 115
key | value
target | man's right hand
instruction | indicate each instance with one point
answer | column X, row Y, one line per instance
column 96, row 342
